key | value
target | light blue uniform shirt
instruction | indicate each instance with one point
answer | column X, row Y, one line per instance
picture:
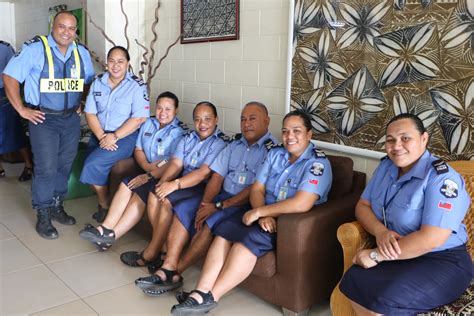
column 238, row 163
column 311, row 172
column 114, row 107
column 27, row 65
column 422, row 196
column 159, row 144
column 194, row 152
column 6, row 52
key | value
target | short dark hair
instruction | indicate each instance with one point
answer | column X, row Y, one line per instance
column 415, row 119
column 301, row 114
column 123, row 49
column 169, row 95
column 206, row 103
column 258, row 104
column 64, row 12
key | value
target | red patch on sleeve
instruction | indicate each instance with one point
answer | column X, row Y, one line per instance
column 314, row 181
column 445, row 205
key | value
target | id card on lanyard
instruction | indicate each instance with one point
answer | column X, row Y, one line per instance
column 243, row 175
column 283, row 192
column 386, row 203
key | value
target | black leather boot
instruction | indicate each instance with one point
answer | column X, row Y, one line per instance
column 59, row 214
column 43, row 226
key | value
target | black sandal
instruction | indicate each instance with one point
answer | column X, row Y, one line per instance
column 191, row 306
column 181, row 296
column 93, row 235
column 131, row 258
column 2, row 173
column 102, row 246
column 157, row 284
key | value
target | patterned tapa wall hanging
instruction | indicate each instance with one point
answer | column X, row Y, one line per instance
column 358, row 63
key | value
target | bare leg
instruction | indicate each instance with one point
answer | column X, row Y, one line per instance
column 102, row 194
column 177, row 239
column 119, row 203
column 161, row 227
column 361, row 310
column 215, row 259
column 198, row 248
column 132, row 215
column 153, row 207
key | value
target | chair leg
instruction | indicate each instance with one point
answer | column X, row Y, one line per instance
column 287, row 312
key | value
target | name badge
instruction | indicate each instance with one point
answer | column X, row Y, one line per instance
column 74, row 74
column 161, row 150
column 61, row 85
column 194, row 160
column 282, row 194
column 242, row 177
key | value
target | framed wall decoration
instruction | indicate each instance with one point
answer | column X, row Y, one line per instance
column 209, row 20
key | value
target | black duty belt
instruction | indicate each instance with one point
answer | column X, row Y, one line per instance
column 54, row 112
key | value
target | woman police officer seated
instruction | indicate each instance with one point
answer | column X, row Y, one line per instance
column 156, row 143
column 116, row 106
column 184, row 178
column 291, row 180
column 414, row 206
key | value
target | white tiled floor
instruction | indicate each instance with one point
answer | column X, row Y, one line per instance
column 67, row 276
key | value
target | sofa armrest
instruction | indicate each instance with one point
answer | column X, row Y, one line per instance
column 309, row 257
column 353, row 237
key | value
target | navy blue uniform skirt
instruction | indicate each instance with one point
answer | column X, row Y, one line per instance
column 408, row 287
column 258, row 241
column 220, row 216
column 12, row 135
column 143, row 190
column 185, row 204
column 99, row 161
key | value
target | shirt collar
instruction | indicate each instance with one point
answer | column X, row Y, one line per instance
column 215, row 134
column 417, row 171
column 105, row 77
column 260, row 142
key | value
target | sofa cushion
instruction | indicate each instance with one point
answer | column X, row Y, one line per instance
column 342, row 173
column 266, row 265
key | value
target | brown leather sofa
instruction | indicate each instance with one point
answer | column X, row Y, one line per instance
column 307, row 263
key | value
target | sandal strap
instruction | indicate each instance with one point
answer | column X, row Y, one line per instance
column 206, row 297
column 169, row 275
column 107, row 232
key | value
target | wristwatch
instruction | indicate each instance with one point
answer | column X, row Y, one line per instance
column 374, row 255
column 178, row 183
column 219, row 205
column 150, row 176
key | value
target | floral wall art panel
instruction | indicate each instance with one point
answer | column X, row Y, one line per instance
column 356, row 64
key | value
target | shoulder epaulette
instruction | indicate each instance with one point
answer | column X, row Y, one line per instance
column 99, row 76
column 440, row 166
column 5, row 43
column 137, row 79
column 33, row 40
column 384, row 157
column 82, row 45
column 189, row 132
column 268, row 143
column 318, row 153
column 277, row 145
column 183, row 125
column 236, row 137
column 223, row 136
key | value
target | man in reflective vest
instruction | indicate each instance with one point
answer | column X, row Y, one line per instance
column 57, row 73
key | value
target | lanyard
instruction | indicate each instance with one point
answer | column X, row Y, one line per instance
column 386, row 203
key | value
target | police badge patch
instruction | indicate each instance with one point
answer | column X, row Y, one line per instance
column 449, row 189
column 317, row 169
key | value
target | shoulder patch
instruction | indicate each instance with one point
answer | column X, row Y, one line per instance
column 384, row 157
column 223, row 136
column 449, row 189
column 33, row 40
column 440, row 166
column 137, row 79
column 236, row 137
column 317, row 169
column 318, row 153
column 268, row 143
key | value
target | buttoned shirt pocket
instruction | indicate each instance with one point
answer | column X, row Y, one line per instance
column 100, row 102
column 406, row 212
column 123, row 106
